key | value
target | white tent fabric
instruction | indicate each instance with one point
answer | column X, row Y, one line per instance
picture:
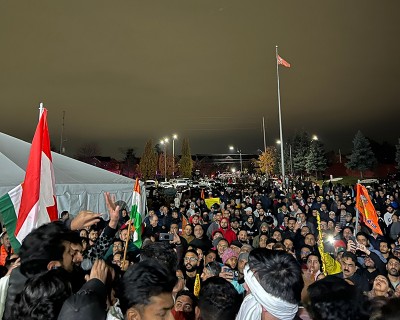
column 79, row 186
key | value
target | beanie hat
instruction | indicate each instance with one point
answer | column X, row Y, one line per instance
column 228, row 253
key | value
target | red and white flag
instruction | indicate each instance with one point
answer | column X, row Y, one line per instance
column 33, row 202
column 283, row 62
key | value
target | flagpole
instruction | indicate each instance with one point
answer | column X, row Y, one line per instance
column 280, row 120
column 127, row 241
column 357, row 214
column 265, row 148
column 40, row 109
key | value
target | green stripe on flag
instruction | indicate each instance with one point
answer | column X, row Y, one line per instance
column 7, row 210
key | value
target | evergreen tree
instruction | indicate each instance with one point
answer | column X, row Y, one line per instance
column 186, row 162
column 148, row 162
column 316, row 160
column 398, row 155
column 300, row 150
column 362, row 158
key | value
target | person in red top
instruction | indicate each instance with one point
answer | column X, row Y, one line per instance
column 5, row 249
column 226, row 230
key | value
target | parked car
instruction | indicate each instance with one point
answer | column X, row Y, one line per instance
column 165, row 185
column 180, row 183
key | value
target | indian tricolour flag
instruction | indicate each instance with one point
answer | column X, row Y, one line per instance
column 136, row 214
column 33, row 202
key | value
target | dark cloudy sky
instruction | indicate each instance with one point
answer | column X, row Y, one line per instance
column 127, row 71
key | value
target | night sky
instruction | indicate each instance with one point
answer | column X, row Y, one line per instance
column 128, row 71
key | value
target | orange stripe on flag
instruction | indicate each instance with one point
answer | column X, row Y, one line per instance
column 367, row 209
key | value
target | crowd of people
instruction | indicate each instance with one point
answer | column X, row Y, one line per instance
column 254, row 252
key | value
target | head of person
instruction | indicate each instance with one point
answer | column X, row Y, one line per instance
column 174, row 228
column 217, row 234
column 230, row 258
column 161, row 251
column 5, row 239
column 211, row 269
column 393, row 266
column 236, row 245
column 224, row 223
column 43, row 296
column 349, row 264
column 277, row 235
column 309, row 239
column 275, row 281
column 314, row 263
column 334, row 298
column 145, row 292
column 118, row 245
column 242, row 261
column 264, row 241
column 188, row 231
column 384, row 247
column 381, row 286
column 153, row 220
column 64, row 215
column 304, row 230
column 362, row 238
column 347, row 233
column 198, row 231
column 211, row 255
column 288, row 243
column 218, row 300
column 185, row 302
column 291, row 223
column 93, row 234
column 222, row 245
column 48, row 247
column 305, row 251
column 242, row 236
column 191, row 260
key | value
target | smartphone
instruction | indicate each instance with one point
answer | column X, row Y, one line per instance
column 353, row 238
column 166, row 237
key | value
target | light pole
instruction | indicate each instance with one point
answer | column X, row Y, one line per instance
column 164, row 143
column 240, row 157
column 174, row 137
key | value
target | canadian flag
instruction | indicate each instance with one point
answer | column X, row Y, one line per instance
column 283, row 62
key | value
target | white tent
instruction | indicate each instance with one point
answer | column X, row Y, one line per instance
column 79, row 186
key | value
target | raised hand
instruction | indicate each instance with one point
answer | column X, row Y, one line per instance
column 84, row 219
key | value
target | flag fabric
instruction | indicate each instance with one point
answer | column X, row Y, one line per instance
column 202, row 194
column 210, row 201
column 136, row 214
column 185, row 222
column 283, row 62
column 33, row 202
column 367, row 209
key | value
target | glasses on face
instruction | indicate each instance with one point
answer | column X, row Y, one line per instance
column 192, row 259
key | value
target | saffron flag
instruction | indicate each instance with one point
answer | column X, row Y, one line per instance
column 185, row 222
column 33, row 202
column 202, row 194
column 367, row 209
column 136, row 214
column 283, row 62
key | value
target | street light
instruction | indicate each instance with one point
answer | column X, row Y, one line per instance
column 174, row 137
column 240, row 157
column 164, row 143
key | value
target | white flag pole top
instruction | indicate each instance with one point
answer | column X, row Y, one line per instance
column 40, row 109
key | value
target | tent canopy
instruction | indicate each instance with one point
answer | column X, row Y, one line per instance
column 79, row 186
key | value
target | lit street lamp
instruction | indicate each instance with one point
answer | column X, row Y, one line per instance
column 174, row 137
column 240, row 157
column 164, row 143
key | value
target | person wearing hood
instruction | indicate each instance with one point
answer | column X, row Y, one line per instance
column 226, row 230
column 264, row 230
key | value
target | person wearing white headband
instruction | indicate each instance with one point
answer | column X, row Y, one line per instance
column 275, row 282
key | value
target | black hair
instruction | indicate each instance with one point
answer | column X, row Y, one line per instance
column 161, row 251
column 144, row 280
column 334, row 298
column 214, row 267
column 218, row 300
column 43, row 296
column 64, row 213
column 43, row 245
column 278, row 273
column 190, row 295
column 192, row 251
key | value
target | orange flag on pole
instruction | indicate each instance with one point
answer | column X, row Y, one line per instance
column 367, row 209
